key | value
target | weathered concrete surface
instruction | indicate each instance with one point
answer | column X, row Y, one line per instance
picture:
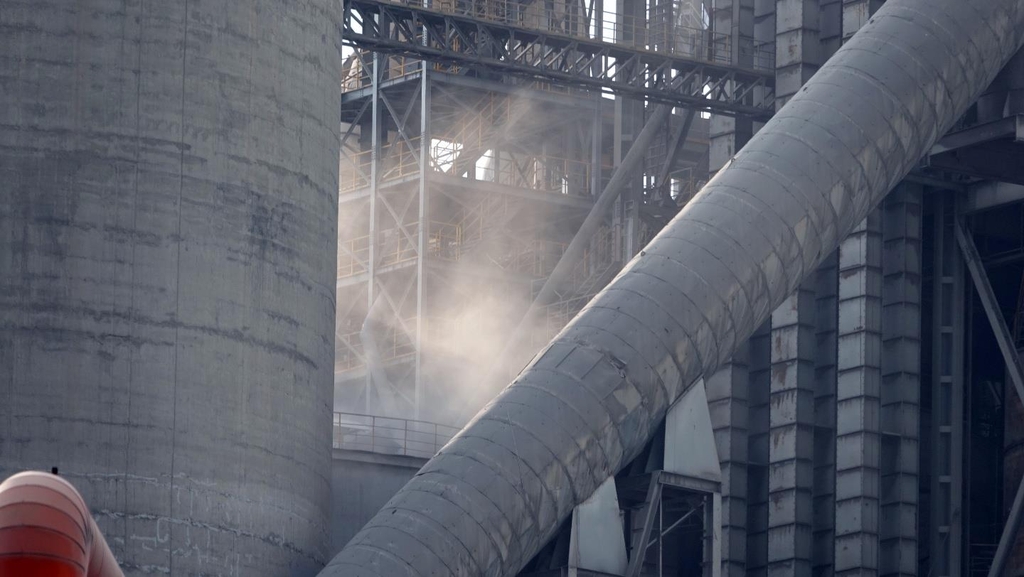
column 168, row 197
column 362, row 483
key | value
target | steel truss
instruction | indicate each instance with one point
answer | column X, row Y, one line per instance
column 695, row 78
column 437, row 175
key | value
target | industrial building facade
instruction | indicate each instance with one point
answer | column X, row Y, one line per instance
column 865, row 429
column 795, row 358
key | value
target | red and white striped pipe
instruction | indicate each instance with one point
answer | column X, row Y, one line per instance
column 47, row 531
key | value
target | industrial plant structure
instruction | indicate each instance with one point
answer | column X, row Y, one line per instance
column 753, row 268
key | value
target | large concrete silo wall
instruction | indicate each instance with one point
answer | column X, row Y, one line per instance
column 168, row 198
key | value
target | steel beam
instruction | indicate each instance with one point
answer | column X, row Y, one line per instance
column 677, row 138
column 645, row 523
column 375, row 150
column 947, row 390
column 423, row 220
column 1013, row 366
column 1009, row 534
column 627, row 69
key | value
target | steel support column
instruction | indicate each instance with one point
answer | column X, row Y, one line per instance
column 857, row 400
column 644, row 524
column 422, row 233
column 1013, row 368
column 947, row 392
column 375, row 150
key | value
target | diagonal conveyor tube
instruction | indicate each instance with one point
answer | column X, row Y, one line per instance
column 588, row 402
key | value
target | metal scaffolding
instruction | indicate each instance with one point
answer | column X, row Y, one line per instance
column 840, row 426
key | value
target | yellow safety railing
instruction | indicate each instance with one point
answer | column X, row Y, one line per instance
column 354, row 175
column 390, row 436
column 392, row 343
column 394, row 246
column 445, row 240
column 355, row 72
column 349, row 352
column 353, row 256
column 397, row 160
column 534, row 172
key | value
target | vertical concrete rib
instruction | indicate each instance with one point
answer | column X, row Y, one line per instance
column 857, row 399
column 790, row 471
column 763, row 30
column 759, row 367
column 797, row 48
column 858, row 376
column 728, row 405
column 830, row 27
column 901, row 379
column 856, row 14
column 827, row 316
column 791, row 452
column 729, row 134
column 764, row 41
column 826, row 319
column 728, row 388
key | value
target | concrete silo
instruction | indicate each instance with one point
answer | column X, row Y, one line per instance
column 168, row 198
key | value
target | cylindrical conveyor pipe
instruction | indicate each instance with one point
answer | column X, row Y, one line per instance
column 47, row 531
column 589, row 401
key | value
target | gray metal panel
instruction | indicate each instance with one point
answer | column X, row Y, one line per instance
column 596, row 541
column 882, row 123
column 168, row 220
